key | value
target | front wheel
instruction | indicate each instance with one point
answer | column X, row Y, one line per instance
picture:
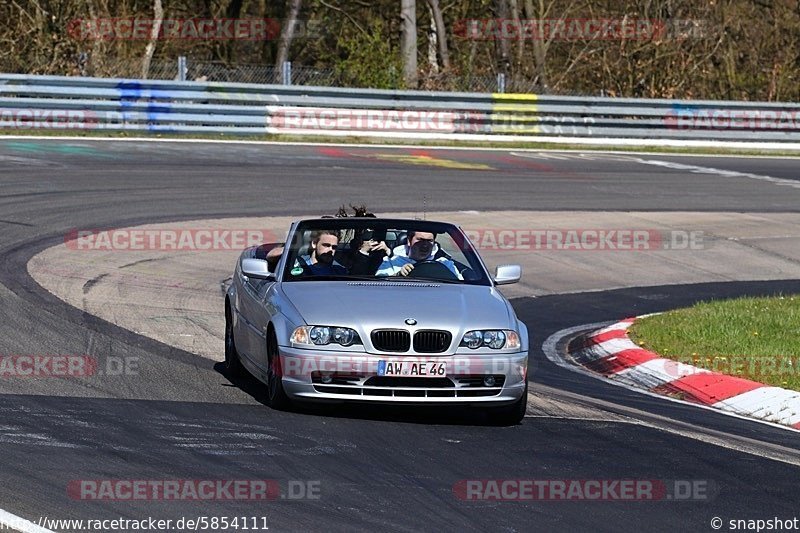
column 513, row 414
column 233, row 366
column 277, row 395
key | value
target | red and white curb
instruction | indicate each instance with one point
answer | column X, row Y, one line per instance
column 610, row 352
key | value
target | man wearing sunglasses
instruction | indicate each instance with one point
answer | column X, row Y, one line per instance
column 421, row 247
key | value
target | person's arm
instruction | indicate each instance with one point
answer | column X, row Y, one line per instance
column 389, row 266
column 363, row 264
column 273, row 257
column 452, row 267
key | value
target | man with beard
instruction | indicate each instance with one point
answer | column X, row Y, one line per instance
column 320, row 262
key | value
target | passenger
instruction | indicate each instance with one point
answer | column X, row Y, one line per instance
column 320, row 261
column 368, row 253
column 421, row 247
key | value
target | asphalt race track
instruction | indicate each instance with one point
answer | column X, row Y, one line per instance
column 376, row 468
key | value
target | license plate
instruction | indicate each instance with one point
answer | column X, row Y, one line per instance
column 412, row 369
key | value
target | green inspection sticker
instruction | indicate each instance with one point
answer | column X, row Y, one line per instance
column 296, row 271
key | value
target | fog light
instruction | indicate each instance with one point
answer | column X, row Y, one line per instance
column 327, row 378
column 488, row 381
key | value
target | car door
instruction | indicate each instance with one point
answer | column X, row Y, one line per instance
column 255, row 319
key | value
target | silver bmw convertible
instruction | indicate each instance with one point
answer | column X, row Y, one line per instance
column 377, row 310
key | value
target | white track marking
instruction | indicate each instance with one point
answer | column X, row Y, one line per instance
column 719, row 172
column 773, row 403
column 747, row 146
column 12, row 521
column 694, row 169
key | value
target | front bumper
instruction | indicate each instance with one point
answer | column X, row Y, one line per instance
column 352, row 376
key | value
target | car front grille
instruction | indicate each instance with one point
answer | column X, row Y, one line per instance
column 432, row 341
column 399, row 340
column 391, row 340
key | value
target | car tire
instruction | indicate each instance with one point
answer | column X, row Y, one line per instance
column 233, row 365
column 513, row 414
column 276, row 394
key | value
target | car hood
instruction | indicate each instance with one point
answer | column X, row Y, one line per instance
column 386, row 304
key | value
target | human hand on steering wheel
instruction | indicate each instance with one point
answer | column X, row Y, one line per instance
column 406, row 269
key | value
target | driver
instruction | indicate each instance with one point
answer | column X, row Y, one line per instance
column 421, row 247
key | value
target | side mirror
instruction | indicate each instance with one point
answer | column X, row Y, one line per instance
column 256, row 269
column 506, row 274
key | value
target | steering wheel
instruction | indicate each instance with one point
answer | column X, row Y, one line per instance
column 430, row 269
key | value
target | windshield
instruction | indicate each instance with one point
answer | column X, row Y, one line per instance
column 380, row 249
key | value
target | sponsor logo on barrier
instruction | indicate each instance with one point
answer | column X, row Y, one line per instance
column 65, row 366
column 525, row 122
column 170, row 239
column 583, row 490
column 214, row 29
column 56, row 119
column 192, row 489
column 580, row 29
column 309, row 118
column 608, row 239
column 733, row 119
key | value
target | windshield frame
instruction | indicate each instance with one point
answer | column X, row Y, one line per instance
column 295, row 242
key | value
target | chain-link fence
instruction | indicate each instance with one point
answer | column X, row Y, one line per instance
column 294, row 75
column 263, row 74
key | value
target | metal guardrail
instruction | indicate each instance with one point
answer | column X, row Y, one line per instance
column 56, row 102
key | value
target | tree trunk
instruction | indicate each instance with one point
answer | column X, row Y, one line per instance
column 433, row 37
column 158, row 18
column 441, row 33
column 503, row 59
column 539, row 52
column 408, row 42
column 287, row 34
column 517, row 66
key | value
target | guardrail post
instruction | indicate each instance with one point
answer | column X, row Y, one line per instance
column 182, row 68
column 501, row 82
column 286, row 73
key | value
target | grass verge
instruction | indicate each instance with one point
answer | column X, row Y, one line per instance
column 753, row 338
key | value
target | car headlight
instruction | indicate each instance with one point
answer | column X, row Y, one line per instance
column 322, row 335
column 491, row 338
column 344, row 336
column 472, row 339
column 494, row 339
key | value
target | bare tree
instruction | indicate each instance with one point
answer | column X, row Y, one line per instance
column 503, row 58
column 287, row 33
column 408, row 41
column 158, row 18
column 433, row 37
column 539, row 48
column 517, row 65
column 441, row 33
